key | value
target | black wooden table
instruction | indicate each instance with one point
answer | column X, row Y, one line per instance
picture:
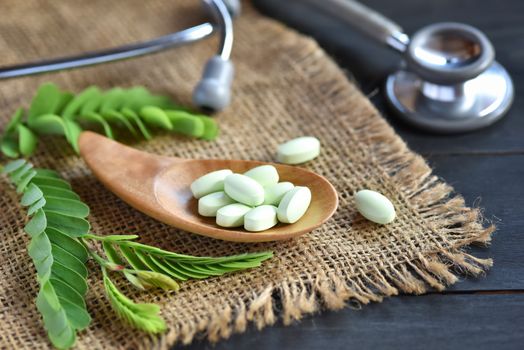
column 486, row 166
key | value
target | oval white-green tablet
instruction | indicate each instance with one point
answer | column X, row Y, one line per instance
column 266, row 175
column 294, row 205
column 209, row 204
column 375, row 207
column 274, row 194
column 260, row 218
column 299, row 150
column 232, row 215
column 209, row 183
column 244, row 189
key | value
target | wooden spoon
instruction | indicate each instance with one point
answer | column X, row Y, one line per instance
column 159, row 187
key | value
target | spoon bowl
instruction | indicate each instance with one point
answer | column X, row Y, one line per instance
column 160, row 187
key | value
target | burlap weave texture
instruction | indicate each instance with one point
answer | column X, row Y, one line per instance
column 285, row 87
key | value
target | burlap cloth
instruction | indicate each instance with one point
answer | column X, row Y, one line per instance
column 285, row 87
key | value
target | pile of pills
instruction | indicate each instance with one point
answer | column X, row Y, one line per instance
column 254, row 200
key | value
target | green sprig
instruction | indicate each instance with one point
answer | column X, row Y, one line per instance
column 54, row 225
column 60, row 247
column 135, row 110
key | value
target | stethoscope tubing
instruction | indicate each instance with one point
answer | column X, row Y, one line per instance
column 223, row 24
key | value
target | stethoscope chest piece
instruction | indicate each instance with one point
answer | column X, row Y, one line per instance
column 450, row 82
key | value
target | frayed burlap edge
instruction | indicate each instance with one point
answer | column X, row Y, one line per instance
column 438, row 208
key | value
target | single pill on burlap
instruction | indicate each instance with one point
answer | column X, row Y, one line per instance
column 299, row 150
column 232, row 215
column 209, row 204
column 209, row 183
column 244, row 189
column 261, row 218
column 266, row 175
column 274, row 194
column 294, row 204
column 375, row 207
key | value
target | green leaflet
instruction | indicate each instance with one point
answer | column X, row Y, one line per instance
column 26, row 140
column 70, row 207
column 73, row 107
column 59, row 329
column 37, row 224
column 47, row 100
column 68, row 243
column 156, row 117
column 72, row 226
column 13, row 166
column 31, row 195
column 56, row 112
column 57, row 192
column 24, row 181
column 186, row 123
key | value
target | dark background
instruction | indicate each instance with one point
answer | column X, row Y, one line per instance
column 486, row 166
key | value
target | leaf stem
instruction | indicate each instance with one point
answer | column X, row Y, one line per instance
column 104, row 264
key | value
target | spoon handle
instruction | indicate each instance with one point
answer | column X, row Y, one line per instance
column 125, row 171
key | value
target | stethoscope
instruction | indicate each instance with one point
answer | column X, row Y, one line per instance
column 211, row 93
column 448, row 82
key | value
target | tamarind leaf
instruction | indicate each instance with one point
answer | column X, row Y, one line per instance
column 114, row 257
column 47, row 173
column 112, row 100
column 46, row 101
column 50, row 191
column 74, row 106
column 92, row 103
column 97, row 118
column 47, row 181
column 59, row 258
column 65, row 291
column 156, row 117
column 186, row 123
column 72, row 226
column 131, row 115
column 37, row 224
column 141, row 316
column 71, row 207
column 31, row 195
column 40, row 247
column 9, row 147
column 73, row 131
column 158, row 279
column 24, row 181
column 16, row 175
column 67, row 243
column 15, row 120
column 67, row 259
column 39, row 204
column 77, row 316
column 211, row 130
column 49, row 124
column 73, row 278
column 65, row 98
column 26, row 140
column 116, row 117
column 13, row 166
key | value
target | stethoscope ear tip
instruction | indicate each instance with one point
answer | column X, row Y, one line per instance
column 213, row 92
